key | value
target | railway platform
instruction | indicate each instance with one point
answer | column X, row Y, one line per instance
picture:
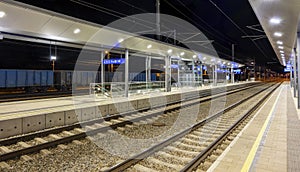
column 270, row 141
column 21, row 117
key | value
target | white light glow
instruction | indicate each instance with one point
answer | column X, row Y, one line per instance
column 279, row 42
column 224, row 62
column 281, row 51
column 170, row 51
column 278, row 34
column 149, row 46
column 76, row 31
column 280, row 47
column 275, row 20
column 53, row 58
column 204, row 58
column 2, row 14
column 194, row 56
column 182, row 53
column 120, row 40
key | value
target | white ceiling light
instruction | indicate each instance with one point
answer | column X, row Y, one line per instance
column 76, row 31
column 224, row 62
column 280, row 47
column 194, row 56
column 279, row 42
column 170, row 51
column 204, row 58
column 281, row 51
column 149, row 46
column 182, row 53
column 275, row 20
column 2, row 14
column 278, row 34
column 52, row 58
column 120, row 40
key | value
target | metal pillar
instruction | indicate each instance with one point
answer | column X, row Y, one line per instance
column 158, row 19
column 178, row 74
column 213, row 74
column 232, row 74
column 295, row 75
column 167, row 74
column 126, row 72
column 102, row 69
column 193, row 71
column 297, row 54
column 148, row 70
column 201, row 74
column 291, row 73
column 216, row 75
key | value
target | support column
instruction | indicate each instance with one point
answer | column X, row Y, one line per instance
column 232, row 74
column 295, row 74
column 102, row 70
column 193, row 71
column 148, row 71
column 167, row 74
column 213, row 74
column 291, row 73
column 297, row 54
column 216, row 75
column 126, row 72
column 178, row 74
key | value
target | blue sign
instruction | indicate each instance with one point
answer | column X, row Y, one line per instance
column 287, row 69
column 113, row 61
column 174, row 66
column 237, row 71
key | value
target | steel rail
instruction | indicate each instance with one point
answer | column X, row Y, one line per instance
column 136, row 158
column 69, row 139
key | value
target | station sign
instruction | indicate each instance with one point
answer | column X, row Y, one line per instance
column 287, row 69
column 113, row 61
column 174, row 66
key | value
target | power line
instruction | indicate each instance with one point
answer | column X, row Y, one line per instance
column 239, row 28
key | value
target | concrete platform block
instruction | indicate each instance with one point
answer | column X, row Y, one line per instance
column 112, row 109
column 101, row 111
column 88, row 113
column 55, row 119
column 10, row 127
column 143, row 103
column 71, row 117
column 132, row 105
column 122, row 107
column 34, row 123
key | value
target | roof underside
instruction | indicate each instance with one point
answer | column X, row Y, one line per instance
column 223, row 22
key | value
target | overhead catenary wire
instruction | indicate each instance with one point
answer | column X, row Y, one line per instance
column 238, row 27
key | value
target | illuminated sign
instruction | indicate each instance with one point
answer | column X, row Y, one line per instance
column 174, row 66
column 113, row 61
column 287, row 69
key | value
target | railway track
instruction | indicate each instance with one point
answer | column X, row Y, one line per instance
column 190, row 148
column 41, row 141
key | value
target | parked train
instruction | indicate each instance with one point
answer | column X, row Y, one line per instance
column 42, row 80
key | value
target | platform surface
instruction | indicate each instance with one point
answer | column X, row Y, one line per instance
column 270, row 142
column 25, row 108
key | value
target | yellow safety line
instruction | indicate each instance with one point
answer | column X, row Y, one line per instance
column 251, row 156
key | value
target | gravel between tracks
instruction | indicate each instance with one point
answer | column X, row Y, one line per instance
column 90, row 157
